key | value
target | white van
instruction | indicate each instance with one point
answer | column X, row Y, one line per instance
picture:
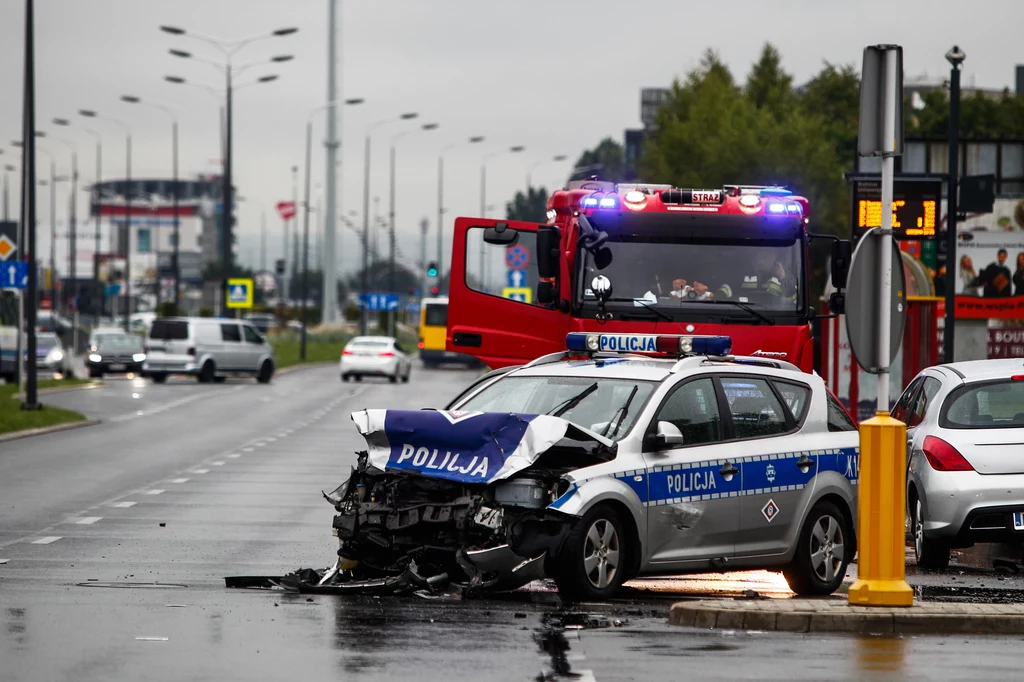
column 208, row 348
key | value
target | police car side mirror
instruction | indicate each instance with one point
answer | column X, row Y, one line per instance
column 501, row 234
column 667, row 436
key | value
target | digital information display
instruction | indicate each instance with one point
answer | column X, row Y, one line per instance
column 915, row 207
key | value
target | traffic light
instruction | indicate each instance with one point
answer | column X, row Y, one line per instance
column 434, row 291
column 432, row 270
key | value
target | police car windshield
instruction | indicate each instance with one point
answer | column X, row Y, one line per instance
column 542, row 395
column 674, row 276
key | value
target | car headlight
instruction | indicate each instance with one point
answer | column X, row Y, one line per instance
column 95, row 357
column 55, row 355
column 139, row 357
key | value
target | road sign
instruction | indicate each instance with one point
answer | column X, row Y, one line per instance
column 240, row 292
column 862, row 297
column 517, row 257
column 286, row 209
column 14, row 275
column 516, row 278
column 521, row 294
column 8, row 240
column 45, row 303
column 873, row 84
column 378, row 301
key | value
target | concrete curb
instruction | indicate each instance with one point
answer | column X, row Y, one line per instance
column 301, row 365
column 836, row 615
column 28, row 433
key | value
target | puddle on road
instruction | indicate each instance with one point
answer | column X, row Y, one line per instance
column 553, row 643
column 969, row 595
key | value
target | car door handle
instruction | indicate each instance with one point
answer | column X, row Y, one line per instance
column 467, row 339
column 728, row 470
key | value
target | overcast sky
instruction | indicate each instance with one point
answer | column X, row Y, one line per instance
column 551, row 75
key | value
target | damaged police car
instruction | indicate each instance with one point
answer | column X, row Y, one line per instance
column 592, row 468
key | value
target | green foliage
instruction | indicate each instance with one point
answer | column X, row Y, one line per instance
column 206, row 312
column 167, row 309
column 606, row 160
column 981, row 116
column 530, row 207
column 379, row 278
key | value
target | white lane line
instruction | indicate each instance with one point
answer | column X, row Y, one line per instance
column 248, row 449
column 217, row 464
column 152, row 639
column 260, row 445
column 156, row 491
column 123, row 505
column 234, row 456
column 47, row 540
column 179, row 480
column 271, row 439
column 88, row 520
column 200, row 471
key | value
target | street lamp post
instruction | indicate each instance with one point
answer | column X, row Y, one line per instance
column 364, row 281
column 393, row 318
column 956, row 58
column 97, row 291
column 175, row 267
column 228, row 49
column 127, row 211
column 483, row 201
column 72, row 229
column 8, row 169
column 529, row 171
column 440, row 195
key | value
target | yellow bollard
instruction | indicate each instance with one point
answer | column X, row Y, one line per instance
column 881, row 509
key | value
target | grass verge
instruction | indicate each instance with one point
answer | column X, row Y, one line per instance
column 286, row 352
column 13, row 418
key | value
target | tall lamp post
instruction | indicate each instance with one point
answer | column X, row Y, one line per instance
column 956, row 58
column 72, row 229
column 173, row 113
column 88, row 113
column 8, row 169
column 364, row 280
column 228, row 49
column 440, row 194
column 97, row 291
column 483, row 201
column 529, row 171
column 393, row 318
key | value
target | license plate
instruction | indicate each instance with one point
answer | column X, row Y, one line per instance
column 1018, row 520
column 117, row 368
column 491, row 518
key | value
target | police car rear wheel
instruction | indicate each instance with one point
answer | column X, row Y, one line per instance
column 823, row 552
column 592, row 562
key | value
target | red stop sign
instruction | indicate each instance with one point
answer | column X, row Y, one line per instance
column 286, row 209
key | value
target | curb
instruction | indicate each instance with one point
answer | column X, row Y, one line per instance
column 28, row 433
column 836, row 615
column 301, row 365
column 61, row 389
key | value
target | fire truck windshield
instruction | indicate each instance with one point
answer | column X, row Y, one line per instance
column 734, row 279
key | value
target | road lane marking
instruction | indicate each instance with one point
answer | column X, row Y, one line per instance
column 200, row 471
column 88, row 520
column 217, row 464
column 248, row 449
column 179, row 480
column 156, row 491
column 47, row 540
column 234, row 456
column 123, row 505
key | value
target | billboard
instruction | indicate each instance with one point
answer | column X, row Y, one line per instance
column 990, row 264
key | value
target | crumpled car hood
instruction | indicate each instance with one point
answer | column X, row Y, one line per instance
column 467, row 447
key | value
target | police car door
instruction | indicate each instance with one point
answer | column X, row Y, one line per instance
column 779, row 463
column 693, row 510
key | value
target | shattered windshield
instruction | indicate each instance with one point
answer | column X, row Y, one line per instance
column 547, row 395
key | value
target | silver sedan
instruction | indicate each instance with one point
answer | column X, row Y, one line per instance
column 965, row 448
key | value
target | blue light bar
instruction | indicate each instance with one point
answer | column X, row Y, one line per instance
column 796, row 209
column 775, row 192
column 589, row 202
column 662, row 344
column 608, row 202
column 776, row 207
column 708, row 345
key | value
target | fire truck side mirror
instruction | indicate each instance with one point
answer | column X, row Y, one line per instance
column 545, row 292
column 501, row 234
column 547, row 252
column 842, row 252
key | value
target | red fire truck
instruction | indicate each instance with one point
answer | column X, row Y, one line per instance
column 644, row 259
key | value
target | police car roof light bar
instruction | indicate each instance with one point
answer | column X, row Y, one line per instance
column 673, row 345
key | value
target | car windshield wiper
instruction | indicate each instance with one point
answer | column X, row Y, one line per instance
column 645, row 304
column 566, row 405
column 620, row 414
column 761, row 316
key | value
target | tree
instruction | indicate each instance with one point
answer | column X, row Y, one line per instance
column 379, row 275
column 530, row 207
column 768, row 86
column 981, row 116
column 833, row 97
column 606, row 160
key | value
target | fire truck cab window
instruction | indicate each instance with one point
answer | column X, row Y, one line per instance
column 508, row 272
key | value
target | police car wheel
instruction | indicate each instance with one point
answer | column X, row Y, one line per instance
column 930, row 555
column 592, row 562
column 823, row 552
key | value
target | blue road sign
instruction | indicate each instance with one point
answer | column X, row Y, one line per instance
column 378, row 301
column 112, row 290
column 14, row 275
column 516, row 278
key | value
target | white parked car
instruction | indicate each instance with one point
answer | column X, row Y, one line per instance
column 375, row 356
column 207, row 348
column 965, row 450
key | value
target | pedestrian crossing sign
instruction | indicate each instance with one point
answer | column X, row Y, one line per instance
column 240, row 293
column 521, row 294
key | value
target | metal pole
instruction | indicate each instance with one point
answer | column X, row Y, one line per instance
column 53, row 235
column 952, row 266
column 295, row 232
column 176, row 264
column 28, row 197
column 228, row 214
column 363, row 285
column 424, row 228
column 329, row 271
column 128, row 233
column 391, row 240
column 98, row 291
column 885, row 291
column 440, row 214
column 263, row 241
column 72, row 239
column 305, row 241
column 7, row 195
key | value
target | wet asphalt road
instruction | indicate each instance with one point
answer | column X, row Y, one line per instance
column 117, row 538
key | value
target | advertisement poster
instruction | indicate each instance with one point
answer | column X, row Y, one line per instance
column 990, row 262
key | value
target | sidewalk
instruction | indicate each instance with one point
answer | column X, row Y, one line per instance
column 834, row 614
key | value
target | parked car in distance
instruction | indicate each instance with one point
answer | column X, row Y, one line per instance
column 965, row 441
column 208, row 348
column 380, row 356
column 101, row 332
column 115, row 354
column 51, row 357
column 261, row 321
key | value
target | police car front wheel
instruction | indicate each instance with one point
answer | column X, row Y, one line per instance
column 593, row 560
column 823, row 553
